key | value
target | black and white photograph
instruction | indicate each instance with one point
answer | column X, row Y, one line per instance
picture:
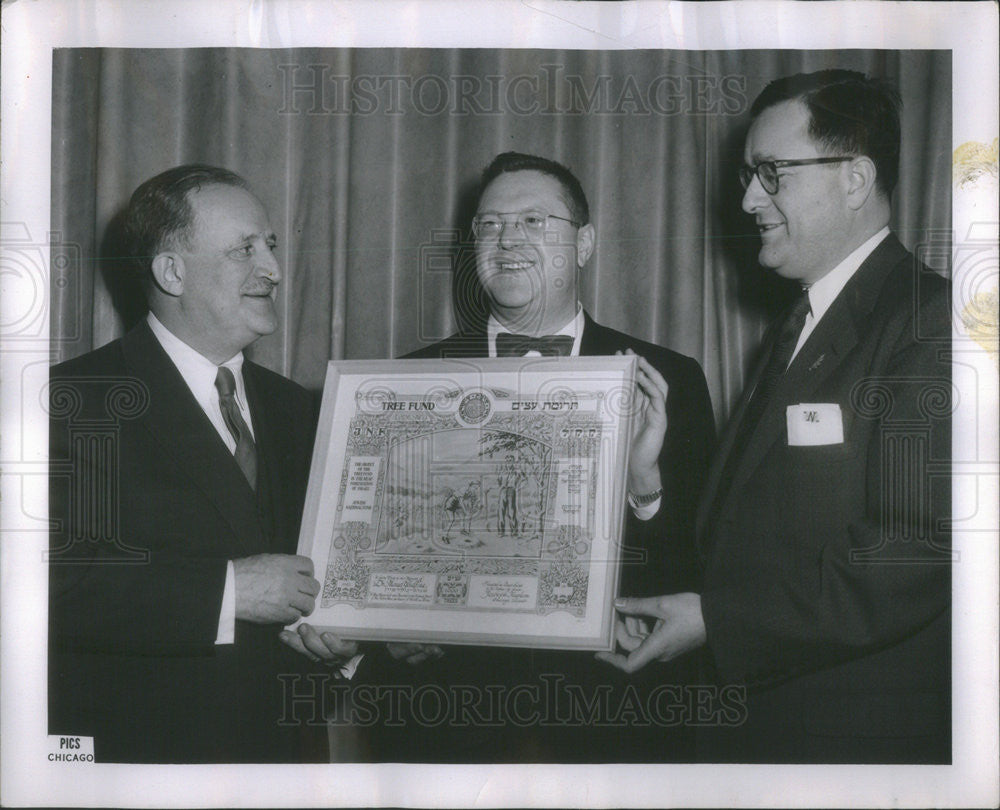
column 780, row 217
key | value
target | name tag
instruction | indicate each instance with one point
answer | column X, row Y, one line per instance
column 814, row 423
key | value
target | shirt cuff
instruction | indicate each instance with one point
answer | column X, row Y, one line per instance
column 227, row 616
column 351, row 667
column 645, row 512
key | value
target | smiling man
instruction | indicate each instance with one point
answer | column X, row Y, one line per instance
column 178, row 475
column 824, row 523
column 533, row 237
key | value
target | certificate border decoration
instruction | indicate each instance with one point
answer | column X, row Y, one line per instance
column 471, row 501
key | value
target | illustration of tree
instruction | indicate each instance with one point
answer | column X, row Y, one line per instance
column 532, row 458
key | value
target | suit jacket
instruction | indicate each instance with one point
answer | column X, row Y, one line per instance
column 827, row 582
column 659, row 557
column 148, row 505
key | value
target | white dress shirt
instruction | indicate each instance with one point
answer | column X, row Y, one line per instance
column 199, row 373
column 823, row 293
column 573, row 329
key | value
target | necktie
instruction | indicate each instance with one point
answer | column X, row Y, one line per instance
column 777, row 363
column 509, row 345
column 246, row 450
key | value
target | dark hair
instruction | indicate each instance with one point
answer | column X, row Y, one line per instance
column 573, row 196
column 849, row 113
column 159, row 212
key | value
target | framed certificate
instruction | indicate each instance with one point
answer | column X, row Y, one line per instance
column 471, row 501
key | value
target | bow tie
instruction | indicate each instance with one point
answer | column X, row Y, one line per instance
column 509, row 345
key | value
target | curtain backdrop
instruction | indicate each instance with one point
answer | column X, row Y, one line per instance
column 368, row 159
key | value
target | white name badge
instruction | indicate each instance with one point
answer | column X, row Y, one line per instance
column 814, row 423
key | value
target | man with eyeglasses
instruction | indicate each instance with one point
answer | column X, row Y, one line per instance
column 533, row 236
column 823, row 526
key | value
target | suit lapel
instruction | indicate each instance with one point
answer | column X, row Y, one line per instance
column 841, row 327
column 831, row 341
column 271, row 421
column 728, row 436
column 593, row 342
column 466, row 344
column 185, row 435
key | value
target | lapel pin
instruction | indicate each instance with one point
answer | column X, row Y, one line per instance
column 816, row 364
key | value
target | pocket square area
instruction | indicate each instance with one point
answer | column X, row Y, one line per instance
column 814, row 423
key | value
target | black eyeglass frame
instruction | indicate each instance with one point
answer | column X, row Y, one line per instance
column 771, row 168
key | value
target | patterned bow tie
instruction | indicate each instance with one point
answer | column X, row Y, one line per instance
column 509, row 345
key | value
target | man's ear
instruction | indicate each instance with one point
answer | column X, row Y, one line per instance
column 860, row 181
column 168, row 273
column 586, row 239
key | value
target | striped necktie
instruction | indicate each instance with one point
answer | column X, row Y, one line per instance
column 246, row 450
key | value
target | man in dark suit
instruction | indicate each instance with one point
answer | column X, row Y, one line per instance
column 533, row 236
column 823, row 523
column 178, row 477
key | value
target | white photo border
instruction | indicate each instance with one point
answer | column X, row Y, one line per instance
column 32, row 29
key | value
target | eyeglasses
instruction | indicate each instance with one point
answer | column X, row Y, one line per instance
column 531, row 223
column 767, row 172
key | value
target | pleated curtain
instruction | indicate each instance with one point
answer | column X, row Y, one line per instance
column 367, row 161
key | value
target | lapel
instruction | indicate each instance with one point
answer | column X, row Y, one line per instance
column 593, row 342
column 466, row 344
column 836, row 334
column 272, row 423
column 728, row 436
column 187, row 438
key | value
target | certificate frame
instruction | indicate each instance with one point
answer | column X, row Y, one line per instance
column 471, row 501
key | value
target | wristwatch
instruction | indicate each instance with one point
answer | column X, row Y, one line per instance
column 647, row 499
